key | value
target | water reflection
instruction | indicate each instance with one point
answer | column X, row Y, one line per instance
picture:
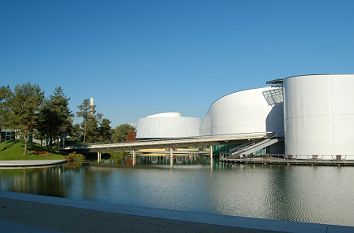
column 312, row 194
column 44, row 181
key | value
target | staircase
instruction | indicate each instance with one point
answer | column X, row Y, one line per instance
column 251, row 148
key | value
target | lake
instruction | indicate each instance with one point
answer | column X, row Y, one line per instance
column 297, row 193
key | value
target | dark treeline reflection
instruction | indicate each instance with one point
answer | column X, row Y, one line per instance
column 43, row 181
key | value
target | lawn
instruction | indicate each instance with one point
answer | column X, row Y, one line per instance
column 13, row 150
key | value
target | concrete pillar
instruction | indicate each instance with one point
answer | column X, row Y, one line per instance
column 171, row 158
column 99, row 157
column 134, row 157
column 211, row 157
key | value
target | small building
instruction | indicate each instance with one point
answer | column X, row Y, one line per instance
column 7, row 134
column 167, row 125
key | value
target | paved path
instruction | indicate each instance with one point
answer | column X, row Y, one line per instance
column 29, row 163
column 23, row 216
column 31, row 213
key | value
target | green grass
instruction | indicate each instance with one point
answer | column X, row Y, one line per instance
column 13, row 150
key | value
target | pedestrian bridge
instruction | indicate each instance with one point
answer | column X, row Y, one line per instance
column 172, row 144
column 183, row 142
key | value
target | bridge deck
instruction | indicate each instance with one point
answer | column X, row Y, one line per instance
column 195, row 141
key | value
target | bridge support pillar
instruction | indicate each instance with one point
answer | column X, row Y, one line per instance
column 134, row 157
column 171, row 158
column 99, row 157
column 211, row 157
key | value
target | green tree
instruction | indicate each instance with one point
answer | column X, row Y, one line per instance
column 105, row 131
column 55, row 118
column 90, row 121
column 24, row 107
column 5, row 95
column 84, row 112
column 121, row 132
column 76, row 133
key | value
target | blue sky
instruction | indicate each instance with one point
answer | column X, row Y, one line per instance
column 142, row 57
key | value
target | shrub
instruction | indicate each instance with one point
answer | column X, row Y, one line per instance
column 73, row 157
column 117, row 155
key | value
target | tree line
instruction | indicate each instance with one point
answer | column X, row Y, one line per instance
column 27, row 111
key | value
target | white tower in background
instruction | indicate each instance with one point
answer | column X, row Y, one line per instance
column 92, row 104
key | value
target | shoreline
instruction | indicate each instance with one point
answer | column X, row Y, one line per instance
column 30, row 163
column 53, row 214
column 294, row 162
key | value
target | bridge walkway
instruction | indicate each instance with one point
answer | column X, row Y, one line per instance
column 193, row 141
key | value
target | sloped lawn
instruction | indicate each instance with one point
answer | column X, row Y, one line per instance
column 13, row 150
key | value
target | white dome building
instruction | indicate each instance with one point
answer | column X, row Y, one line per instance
column 250, row 111
column 167, row 125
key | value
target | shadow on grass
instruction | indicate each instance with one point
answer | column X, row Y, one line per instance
column 9, row 144
column 38, row 149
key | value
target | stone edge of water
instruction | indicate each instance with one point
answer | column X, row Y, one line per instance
column 29, row 163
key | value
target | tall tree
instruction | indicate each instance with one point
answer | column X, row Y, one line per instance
column 84, row 112
column 121, row 133
column 24, row 105
column 90, row 121
column 5, row 95
column 55, row 118
column 105, row 131
column 76, row 133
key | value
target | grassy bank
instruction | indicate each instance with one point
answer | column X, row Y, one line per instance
column 13, row 150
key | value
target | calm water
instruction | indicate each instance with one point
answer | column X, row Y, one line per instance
column 299, row 193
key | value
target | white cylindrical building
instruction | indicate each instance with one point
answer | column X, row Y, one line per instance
column 250, row 111
column 319, row 116
column 167, row 125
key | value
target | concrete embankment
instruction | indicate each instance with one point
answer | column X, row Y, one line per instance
column 282, row 161
column 29, row 163
column 32, row 213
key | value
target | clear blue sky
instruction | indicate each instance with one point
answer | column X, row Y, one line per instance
column 142, row 57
